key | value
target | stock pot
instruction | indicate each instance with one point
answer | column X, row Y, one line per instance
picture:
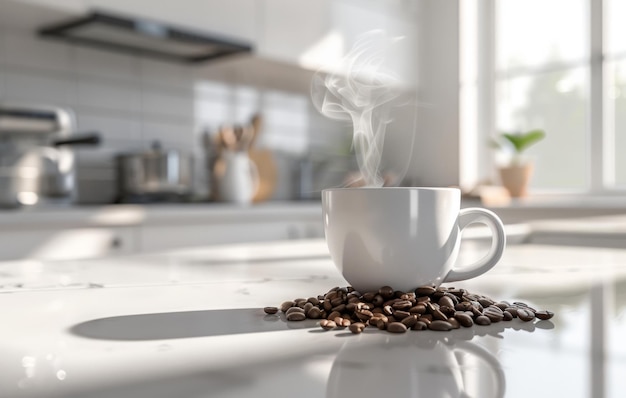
column 154, row 175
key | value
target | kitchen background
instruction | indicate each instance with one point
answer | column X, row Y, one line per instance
column 465, row 86
column 134, row 100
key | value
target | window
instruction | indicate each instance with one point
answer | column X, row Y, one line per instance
column 558, row 65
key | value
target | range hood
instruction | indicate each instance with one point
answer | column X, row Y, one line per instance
column 147, row 37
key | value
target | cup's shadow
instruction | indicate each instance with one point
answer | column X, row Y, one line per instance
column 180, row 325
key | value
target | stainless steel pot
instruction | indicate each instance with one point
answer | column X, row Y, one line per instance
column 154, row 175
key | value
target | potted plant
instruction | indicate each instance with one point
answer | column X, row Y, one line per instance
column 516, row 173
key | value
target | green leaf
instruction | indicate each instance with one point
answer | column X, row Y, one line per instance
column 522, row 141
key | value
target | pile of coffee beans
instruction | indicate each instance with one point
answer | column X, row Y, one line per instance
column 428, row 307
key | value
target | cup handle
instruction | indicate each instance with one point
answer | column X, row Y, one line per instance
column 489, row 359
column 498, row 241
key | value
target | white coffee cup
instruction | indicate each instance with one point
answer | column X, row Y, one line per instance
column 403, row 237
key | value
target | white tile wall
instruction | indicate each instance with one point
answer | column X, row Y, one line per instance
column 31, row 86
column 133, row 101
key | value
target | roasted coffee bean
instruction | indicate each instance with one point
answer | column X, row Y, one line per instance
column 457, row 292
column 400, row 315
column 494, row 313
column 446, row 301
column 472, row 296
column 476, row 311
column 402, row 305
column 396, row 327
column 503, row 305
column 294, row 310
column 439, row 315
column 409, row 321
column 340, row 308
column 455, row 324
column 379, row 315
column 425, row 290
column 426, row 321
column 431, row 307
column 327, row 324
column 419, row 325
column 314, row 313
column 364, row 315
column 525, row 306
column 369, row 296
column 286, row 305
column 386, row 292
column 525, row 315
column 357, row 327
column 544, row 315
column 441, row 308
column 485, row 302
column 464, row 319
column 418, row 309
column 336, row 301
column 439, row 325
column 296, row 316
column 313, row 300
column 512, row 311
column 448, row 311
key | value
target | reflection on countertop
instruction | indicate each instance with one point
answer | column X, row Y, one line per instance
column 189, row 323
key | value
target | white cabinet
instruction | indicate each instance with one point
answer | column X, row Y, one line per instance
column 167, row 237
column 66, row 244
column 76, row 233
column 298, row 31
column 61, row 5
column 318, row 34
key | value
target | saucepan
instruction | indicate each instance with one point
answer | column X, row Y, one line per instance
column 154, row 175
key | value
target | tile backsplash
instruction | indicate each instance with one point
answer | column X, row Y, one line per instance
column 134, row 101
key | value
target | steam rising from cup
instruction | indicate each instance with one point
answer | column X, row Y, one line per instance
column 361, row 89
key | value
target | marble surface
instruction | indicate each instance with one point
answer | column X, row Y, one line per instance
column 189, row 323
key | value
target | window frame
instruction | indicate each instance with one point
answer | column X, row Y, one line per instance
column 601, row 127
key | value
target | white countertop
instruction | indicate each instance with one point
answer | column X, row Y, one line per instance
column 189, row 323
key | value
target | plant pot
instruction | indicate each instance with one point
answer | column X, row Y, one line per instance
column 515, row 178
